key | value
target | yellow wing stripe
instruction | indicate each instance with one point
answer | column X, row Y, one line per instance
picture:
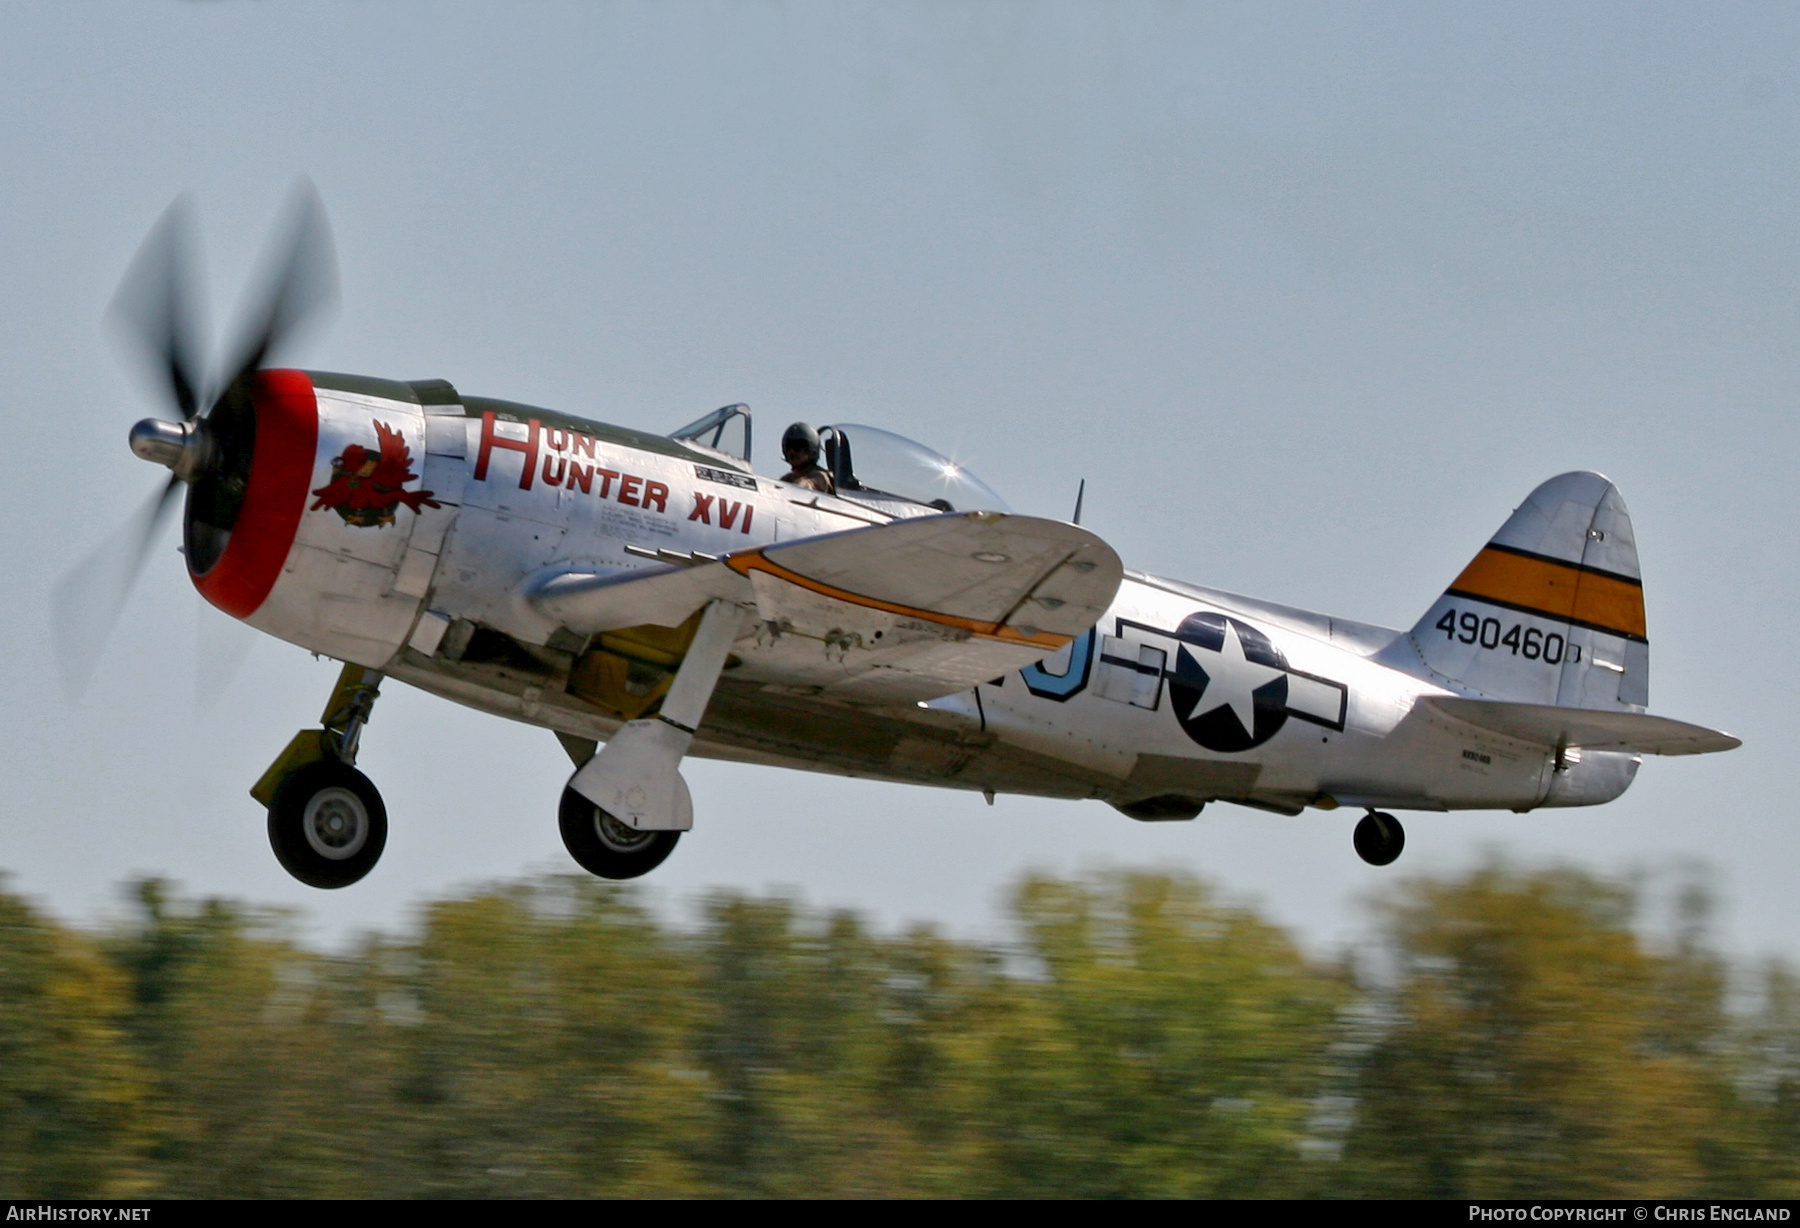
column 1556, row 590
column 753, row 560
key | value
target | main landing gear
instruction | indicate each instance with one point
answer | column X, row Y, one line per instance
column 626, row 806
column 603, row 845
column 1379, row 838
column 327, row 824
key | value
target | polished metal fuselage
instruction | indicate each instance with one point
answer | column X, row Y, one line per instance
column 438, row 599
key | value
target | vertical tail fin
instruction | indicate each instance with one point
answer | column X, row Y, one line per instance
column 1550, row 612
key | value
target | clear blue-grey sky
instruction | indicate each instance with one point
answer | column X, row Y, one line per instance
column 1311, row 295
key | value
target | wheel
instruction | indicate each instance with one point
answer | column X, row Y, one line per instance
column 1379, row 838
column 605, row 846
column 327, row 824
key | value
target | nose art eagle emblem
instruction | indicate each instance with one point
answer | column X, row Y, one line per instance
column 366, row 484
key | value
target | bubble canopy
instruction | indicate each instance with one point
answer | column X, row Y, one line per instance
column 870, row 463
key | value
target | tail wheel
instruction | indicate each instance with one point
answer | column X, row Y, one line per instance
column 327, row 824
column 607, row 847
column 1379, row 838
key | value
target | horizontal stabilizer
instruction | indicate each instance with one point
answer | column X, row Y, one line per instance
column 1588, row 728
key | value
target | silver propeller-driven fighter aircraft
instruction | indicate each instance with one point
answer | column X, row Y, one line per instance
column 649, row 597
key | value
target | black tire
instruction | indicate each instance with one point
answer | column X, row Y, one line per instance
column 604, row 846
column 327, row 825
column 1379, row 838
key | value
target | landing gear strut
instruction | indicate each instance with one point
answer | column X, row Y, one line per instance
column 1379, row 838
column 327, row 823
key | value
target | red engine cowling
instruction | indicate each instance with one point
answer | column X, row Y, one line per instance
column 314, row 522
column 242, row 518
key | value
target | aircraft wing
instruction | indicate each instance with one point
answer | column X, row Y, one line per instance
column 921, row 608
column 892, row 613
column 1588, row 728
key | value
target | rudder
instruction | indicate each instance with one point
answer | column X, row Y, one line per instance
column 1551, row 611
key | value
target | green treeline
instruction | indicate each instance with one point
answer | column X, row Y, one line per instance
column 1512, row 1037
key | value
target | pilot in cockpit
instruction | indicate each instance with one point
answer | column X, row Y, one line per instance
column 800, row 448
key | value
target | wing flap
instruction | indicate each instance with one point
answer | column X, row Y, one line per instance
column 1591, row 729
